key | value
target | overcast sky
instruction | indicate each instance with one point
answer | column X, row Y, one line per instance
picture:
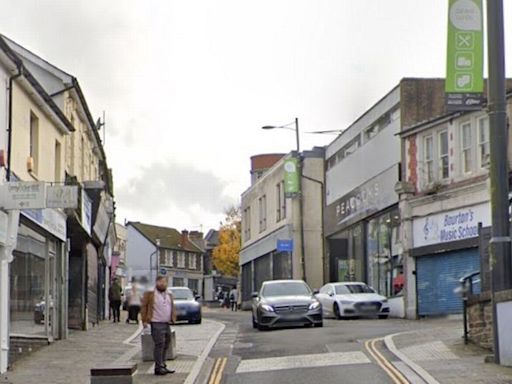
column 186, row 85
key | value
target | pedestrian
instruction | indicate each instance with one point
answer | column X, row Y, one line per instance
column 114, row 297
column 158, row 311
column 220, row 296
column 233, row 298
column 133, row 302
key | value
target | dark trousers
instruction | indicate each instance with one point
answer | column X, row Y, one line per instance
column 234, row 306
column 133, row 313
column 161, row 333
column 116, row 309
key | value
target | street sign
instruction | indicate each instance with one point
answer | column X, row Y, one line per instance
column 62, row 196
column 291, row 177
column 23, row 195
column 465, row 61
column 163, row 272
column 284, row 245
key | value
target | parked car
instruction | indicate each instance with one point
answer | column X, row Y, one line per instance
column 285, row 303
column 186, row 304
column 354, row 299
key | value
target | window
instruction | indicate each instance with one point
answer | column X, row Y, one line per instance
column 34, row 141
column 193, row 284
column 262, row 202
column 58, row 166
column 192, row 261
column 181, row 259
column 247, row 223
column 280, row 202
column 466, row 144
column 178, row 282
column 168, row 258
column 428, row 158
column 444, row 170
column 483, row 142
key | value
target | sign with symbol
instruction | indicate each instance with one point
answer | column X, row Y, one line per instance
column 59, row 196
column 23, row 195
column 464, row 68
column 291, row 177
column 284, row 246
column 163, row 272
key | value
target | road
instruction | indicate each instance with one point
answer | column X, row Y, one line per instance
column 301, row 355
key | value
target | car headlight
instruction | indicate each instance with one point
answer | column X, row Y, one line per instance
column 266, row 308
column 346, row 302
column 385, row 300
column 314, row 305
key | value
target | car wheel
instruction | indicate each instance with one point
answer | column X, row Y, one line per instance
column 319, row 325
column 337, row 312
column 383, row 317
column 254, row 324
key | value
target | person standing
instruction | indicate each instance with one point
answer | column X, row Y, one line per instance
column 233, row 298
column 134, row 301
column 114, row 297
column 158, row 311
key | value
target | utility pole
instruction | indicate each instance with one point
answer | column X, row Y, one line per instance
column 500, row 263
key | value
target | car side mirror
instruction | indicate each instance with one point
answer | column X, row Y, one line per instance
column 254, row 295
column 331, row 293
column 316, row 291
column 197, row 297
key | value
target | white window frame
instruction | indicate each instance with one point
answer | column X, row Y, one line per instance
column 192, row 261
column 181, row 259
column 485, row 120
column 429, row 162
column 468, row 150
column 440, row 155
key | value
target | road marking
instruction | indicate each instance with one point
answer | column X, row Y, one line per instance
column 391, row 371
column 218, row 370
column 302, row 361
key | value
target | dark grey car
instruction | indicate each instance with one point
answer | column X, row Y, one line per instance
column 285, row 303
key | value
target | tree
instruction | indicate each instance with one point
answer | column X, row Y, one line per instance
column 226, row 255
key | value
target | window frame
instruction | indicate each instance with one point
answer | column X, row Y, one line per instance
column 441, row 156
column 429, row 163
column 480, row 143
column 468, row 150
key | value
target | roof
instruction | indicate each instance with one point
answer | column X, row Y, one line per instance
column 170, row 238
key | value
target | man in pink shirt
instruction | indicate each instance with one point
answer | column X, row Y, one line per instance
column 158, row 310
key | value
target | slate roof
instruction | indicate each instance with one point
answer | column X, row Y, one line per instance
column 170, row 238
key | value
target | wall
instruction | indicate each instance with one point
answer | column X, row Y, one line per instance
column 138, row 251
column 48, row 135
column 480, row 320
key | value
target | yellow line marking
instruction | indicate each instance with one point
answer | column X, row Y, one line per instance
column 214, row 371
column 221, row 371
column 392, row 372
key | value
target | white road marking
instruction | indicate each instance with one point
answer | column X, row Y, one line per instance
column 302, row 361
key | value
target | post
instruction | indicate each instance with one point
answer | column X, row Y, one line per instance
column 500, row 237
column 301, row 203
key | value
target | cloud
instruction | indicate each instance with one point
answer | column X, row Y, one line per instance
column 169, row 186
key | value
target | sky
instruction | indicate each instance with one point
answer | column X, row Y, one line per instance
column 187, row 85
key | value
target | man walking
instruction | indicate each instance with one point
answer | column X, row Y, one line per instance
column 233, row 298
column 158, row 311
column 114, row 297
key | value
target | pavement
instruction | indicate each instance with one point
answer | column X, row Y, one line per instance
column 69, row 361
column 437, row 354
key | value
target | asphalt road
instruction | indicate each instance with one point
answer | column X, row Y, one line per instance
column 334, row 353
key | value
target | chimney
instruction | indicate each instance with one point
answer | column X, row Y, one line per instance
column 197, row 238
column 184, row 242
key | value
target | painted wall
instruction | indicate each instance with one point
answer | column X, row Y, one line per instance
column 138, row 251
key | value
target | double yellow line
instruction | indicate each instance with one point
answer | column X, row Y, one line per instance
column 218, row 370
column 393, row 373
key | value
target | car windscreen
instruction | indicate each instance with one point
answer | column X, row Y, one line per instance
column 182, row 294
column 355, row 288
column 285, row 289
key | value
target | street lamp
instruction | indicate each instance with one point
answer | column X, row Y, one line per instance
column 301, row 200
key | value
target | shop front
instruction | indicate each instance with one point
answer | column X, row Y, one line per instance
column 362, row 234
column 446, row 249
column 38, row 293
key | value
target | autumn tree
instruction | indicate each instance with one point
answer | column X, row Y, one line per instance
column 226, row 255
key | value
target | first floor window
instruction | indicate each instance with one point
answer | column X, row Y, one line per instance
column 428, row 158
column 483, row 142
column 466, row 141
column 444, row 169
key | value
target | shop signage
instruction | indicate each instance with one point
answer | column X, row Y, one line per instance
column 291, row 177
column 459, row 224
column 86, row 219
column 464, row 60
column 102, row 222
column 284, row 245
column 51, row 220
column 62, row 196
column 23, row 195
column 371, row 197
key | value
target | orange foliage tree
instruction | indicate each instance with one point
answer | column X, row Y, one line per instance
column 226, row 255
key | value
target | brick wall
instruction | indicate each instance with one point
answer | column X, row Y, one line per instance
column 480, row 320
column 412, row 161
column 21, row 347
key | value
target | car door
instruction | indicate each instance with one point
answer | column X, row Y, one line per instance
column 323, row 298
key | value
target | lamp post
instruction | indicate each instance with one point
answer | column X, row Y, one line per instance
column 295, row 123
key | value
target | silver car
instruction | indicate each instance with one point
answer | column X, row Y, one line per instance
column 354, row 299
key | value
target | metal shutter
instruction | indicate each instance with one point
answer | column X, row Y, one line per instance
column 438, row 276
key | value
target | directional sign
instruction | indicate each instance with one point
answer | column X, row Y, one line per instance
column 61, row 196
column 23, row 195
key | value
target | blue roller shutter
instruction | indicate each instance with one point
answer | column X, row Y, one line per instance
column 437, row 277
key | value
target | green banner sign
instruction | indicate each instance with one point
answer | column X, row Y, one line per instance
column 291, row 177
column 464, row 70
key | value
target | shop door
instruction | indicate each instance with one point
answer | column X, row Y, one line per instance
column 437, row 278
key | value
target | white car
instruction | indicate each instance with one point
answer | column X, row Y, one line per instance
column 354, row 299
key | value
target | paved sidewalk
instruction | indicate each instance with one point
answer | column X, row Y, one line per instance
column 439, row 349
column 69, row 361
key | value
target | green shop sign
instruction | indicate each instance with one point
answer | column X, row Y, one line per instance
column 291, row 177
column 464, row 68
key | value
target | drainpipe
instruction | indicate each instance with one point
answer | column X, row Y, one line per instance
column 9, row 129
